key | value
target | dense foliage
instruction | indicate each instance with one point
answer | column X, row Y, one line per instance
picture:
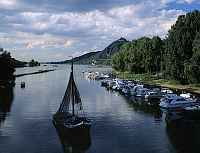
column 177, row 57
column 33, row 63
column 139, row 56
column 6, row 66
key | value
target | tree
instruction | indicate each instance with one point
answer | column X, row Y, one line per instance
column 179, row 45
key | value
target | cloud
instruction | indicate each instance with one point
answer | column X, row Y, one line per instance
column 42, row 29
column 187, row 1
column 116, row 22
column 8, row 4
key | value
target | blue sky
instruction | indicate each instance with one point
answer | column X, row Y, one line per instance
column 52, row 30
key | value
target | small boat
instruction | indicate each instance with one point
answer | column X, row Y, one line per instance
column 153, row 94
column 92, row 75
column 119, row 84
column 165, row 91
column 68, row 115
column 133, row 89
column 173, row 102
column 22, row 84
column 186, row 115
column 126, row 90
column 192, row 112
column 174, row 116
column 186, row 95
column 75, row 143
column 104, row 83
column 110, row 84
column 141, row 92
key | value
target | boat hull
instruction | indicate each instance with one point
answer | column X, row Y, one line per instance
column 193, row 115
column 76, row 135
column 73, row 139
column 76, row 131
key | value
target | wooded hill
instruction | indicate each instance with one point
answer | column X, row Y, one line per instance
column 100, row 57
column 176, row 57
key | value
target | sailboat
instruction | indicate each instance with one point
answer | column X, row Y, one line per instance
column 69, row 117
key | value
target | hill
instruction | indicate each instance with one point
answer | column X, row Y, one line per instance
column 99, row 57
column 18, row 63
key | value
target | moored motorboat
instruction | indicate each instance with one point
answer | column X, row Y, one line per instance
column 126, row 90
column 119, row 84
column 111, row 84
column 166, row 91
column 104, row 83
column 186, row 95
column 153, row 94
column 192, row 112
column 173, row 102
column 133, row 90
column 141, row 92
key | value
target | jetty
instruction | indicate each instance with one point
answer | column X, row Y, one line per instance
column 37, row 72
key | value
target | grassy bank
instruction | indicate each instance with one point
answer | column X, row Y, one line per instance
column 156, row 80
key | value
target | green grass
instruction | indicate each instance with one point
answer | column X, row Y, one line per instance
column 156, row 80
column 131, row 76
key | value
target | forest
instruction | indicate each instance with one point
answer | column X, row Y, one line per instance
column 177, row 57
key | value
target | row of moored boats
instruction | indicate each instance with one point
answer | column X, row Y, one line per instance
column 183, row 106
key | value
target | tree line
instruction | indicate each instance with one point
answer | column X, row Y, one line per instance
column 175, row 57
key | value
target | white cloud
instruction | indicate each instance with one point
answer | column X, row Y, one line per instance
column 83, row 31
column 8, row 4
column 190, row 1
column 30, row 41
column 187, row 1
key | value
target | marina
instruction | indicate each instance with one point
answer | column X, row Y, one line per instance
column 177, row 108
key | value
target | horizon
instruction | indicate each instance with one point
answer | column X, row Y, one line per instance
column 33, row 29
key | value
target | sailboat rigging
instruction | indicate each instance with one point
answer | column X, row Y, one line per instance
column 69, row 119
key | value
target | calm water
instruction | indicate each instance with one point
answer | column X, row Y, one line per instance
column 118, row 125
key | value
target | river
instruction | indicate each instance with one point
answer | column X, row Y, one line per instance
column 119, row 126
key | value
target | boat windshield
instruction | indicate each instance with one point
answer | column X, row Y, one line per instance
column 169, row 101
column 181, row 99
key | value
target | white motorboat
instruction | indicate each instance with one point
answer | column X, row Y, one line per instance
column 133, row 90
column 192, row 112
column 186, row 95
column 153, row 94
column 126, row 90
column 119, row 84
column 172, row 101
column 165, row 91
column 141, row 92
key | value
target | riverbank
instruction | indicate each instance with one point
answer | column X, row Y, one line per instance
column 157, row 81
column 37, row 72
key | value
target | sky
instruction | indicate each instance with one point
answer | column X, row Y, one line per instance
column 53, row 30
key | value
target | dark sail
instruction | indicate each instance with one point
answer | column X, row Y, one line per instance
column 71, row 96
column 69, row 118
column 64, row 106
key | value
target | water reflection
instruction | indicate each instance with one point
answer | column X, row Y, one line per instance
column 71, row 144
column 140, row 105
column 6, row 98
column 185, row 138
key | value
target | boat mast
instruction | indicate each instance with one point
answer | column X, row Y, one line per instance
column 72, row 88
